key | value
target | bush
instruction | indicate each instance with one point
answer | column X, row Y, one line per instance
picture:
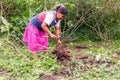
column 100, row 19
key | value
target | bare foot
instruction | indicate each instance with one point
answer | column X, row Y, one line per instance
column 45, row 52
column 35, row 55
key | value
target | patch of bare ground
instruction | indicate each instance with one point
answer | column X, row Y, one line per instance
column 65, row 57
column 6, row 75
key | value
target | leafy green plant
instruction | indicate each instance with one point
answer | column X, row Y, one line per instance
column 88, row 20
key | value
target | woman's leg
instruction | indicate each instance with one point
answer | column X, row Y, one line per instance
column 46, row 52
column 35, row 55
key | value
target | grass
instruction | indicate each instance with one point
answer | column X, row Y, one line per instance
column 17, row 63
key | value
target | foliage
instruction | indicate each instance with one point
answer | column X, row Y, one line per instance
column 18, row 62
column 89, row 20
column 100, row 19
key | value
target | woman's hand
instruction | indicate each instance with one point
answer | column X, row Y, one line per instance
column 53, row 36
column 45, row 28
column 59, row 42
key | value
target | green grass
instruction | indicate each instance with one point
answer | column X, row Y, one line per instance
column 17, row 63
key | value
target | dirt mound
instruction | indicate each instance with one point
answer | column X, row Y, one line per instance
column 87, row 63
column 6, row 75
column 55, row 76
column 44, row 76
column 62, row 53
column 68, row 39
column 118, row 55
column 84, row 56
column 78, row 48
column 81, row 47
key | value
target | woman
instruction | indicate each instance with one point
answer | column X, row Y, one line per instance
column 37, row 32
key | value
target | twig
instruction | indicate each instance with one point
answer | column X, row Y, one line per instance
column 43, row 47
column 14, row 47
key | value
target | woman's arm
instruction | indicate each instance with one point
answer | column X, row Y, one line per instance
column 57, row 31
column 45, row 28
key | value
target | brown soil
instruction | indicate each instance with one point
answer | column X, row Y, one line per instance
column 118, row 55
column 88, row 62
column 55, row 76
column 6, row 74
column 62, row 53
column 81, row 47
column 84, row 56
column 68, row 39
column 78, row 48
column 44, row 76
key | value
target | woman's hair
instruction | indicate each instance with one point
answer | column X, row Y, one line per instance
column 62, row 9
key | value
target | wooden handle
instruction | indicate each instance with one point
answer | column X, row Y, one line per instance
column 46, row 36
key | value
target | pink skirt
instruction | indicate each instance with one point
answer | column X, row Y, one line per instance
column 36, row 39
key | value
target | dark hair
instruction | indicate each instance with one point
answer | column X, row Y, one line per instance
column 62, row 9
column 58, row 7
